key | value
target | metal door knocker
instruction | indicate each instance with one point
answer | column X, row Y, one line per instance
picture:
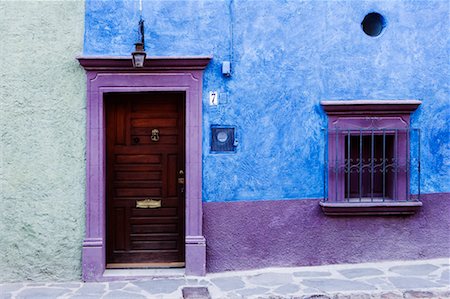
column 155, row 135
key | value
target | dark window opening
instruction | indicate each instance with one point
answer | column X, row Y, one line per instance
column 370, row 166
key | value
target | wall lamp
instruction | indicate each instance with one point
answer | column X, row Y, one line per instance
column 138, row 56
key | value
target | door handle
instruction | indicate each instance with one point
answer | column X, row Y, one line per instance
column 181, row 180
column 181, row 177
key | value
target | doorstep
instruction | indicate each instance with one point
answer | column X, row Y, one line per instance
column 131, row 274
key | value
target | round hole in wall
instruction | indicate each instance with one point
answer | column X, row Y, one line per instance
column 222, row 136
column 373, row 24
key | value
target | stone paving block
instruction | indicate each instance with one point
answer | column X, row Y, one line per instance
column 311, row 285
column 376, row 280
column 287, row 289
column 192, row 281
column 310, row 291
column 352, row 296
column 230, row 295
column 387, row 287
column 252, row 291
column 337, row 285
column 268, row 296
column 117, row 294
column 380, row 282
column 91, row 288
column 228, row 283
column 317, row 296
column 116, row 285
column 10, row 287
column 197, row 282
column 311, row 273
column 418, row 294
column 195, row 293
column 445, row 275
column 36, row 284
column 412, row 283
column 66, row 285
column 132, row 288
column 270, row 279
column 41, row 293
column 159, row 286
column 360, row 272
column 391, row 295
column 444, row 294
column 414, row 270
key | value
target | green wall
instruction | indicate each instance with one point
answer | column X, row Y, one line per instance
column 42, row 119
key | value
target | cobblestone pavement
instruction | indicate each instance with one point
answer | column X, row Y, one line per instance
column 406, row 279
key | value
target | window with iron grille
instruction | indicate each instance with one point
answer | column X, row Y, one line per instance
column 369, row 158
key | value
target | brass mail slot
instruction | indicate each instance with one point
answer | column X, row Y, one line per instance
column 148, row 203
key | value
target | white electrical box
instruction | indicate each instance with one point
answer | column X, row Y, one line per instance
column 226, row 68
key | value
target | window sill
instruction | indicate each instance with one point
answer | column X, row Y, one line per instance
column 370, row 208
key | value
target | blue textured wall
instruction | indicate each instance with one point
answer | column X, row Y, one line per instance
column 286, row 57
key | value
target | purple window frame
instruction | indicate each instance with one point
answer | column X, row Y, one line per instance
column 116, row 74
column 377, row 115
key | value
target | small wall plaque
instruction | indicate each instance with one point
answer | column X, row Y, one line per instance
column 213, row 98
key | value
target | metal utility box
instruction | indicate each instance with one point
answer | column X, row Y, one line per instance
column 223, row 139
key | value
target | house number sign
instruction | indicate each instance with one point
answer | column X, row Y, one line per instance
column 155, row 135
column 213, row 98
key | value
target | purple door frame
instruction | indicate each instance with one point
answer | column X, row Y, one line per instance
column 116, row 74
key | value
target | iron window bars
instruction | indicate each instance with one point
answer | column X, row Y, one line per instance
column 372, row 165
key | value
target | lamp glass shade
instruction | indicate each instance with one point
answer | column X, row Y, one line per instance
column 138, row 58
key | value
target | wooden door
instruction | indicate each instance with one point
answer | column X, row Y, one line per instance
column 145, row 161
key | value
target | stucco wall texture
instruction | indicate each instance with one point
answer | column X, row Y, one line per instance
column 246, row 235
column 42, row 120
column 286, row 57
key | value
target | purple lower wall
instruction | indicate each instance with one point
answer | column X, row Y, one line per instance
column 257, row 234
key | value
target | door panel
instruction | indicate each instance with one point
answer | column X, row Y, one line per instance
column 140, row 168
